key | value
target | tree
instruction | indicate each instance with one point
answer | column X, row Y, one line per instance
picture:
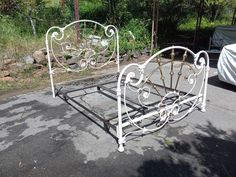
column 7, row 6
column 155, row 19
column 76, row 12
column 62, row 2
column 213, row 7
column 28, row 9
column 111, row 6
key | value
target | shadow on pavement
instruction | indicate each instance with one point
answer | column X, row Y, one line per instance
column 214, row 80
column 213, row 63
column 202, row 156
column 162, row 168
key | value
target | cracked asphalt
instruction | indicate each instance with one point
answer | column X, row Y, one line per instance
column 45, row 137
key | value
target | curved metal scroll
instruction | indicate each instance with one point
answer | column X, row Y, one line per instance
column 97, row 46
column 165, row 90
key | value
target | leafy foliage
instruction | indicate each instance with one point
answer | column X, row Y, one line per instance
column 20, row 17
column 93, row 10
column 137, row 29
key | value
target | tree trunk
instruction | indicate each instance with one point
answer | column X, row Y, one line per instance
column 31, row 21
column 216, row 13
column 198, row 22
column 27, row 16
column 111, row 11
column 155, row 18
column 62, row 4
column 214, row 9
column 153, row 25
column 76, row 11
column 234, row 17
column 32, row 25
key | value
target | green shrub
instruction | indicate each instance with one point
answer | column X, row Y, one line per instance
column 139, row 30
column 93, row 11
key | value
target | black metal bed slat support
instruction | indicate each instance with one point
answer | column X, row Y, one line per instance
column 104, row 127
column 91, row 112
column 137, row 109
column 99, row 87
column 88, row 87
column 114, row 93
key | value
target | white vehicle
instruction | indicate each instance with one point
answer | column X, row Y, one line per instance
column 227, row 64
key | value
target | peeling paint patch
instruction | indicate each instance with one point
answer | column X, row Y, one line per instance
column 3, row 133
column 70, row 112
column 66, row 127
column 92, row 147
column 36, row 125
column 95, row 144
column 4, row 145
column 17, row 117
column 20, row 109
column 142, row 144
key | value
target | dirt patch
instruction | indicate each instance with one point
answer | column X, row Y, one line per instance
column 32, row 78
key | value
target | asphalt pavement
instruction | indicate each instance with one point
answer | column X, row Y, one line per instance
column 41, row 136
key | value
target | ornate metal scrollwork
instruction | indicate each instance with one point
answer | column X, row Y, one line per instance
column 96, row 47
column 148, row 84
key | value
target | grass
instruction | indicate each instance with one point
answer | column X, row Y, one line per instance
column 26, row 78
column 168, row 142
column 190, row 25
column 14, row 42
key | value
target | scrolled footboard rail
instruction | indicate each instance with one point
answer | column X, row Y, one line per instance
column 166, row 90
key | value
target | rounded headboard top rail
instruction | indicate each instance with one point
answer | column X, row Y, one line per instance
column 195, row 55
column 94, row 45
column 198, row 60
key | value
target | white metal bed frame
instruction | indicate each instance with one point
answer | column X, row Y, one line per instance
column 144, row 101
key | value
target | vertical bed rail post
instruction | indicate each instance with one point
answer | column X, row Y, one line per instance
column 121, row 139
column 119, row 126
column 49, row 64
column 203, row 106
